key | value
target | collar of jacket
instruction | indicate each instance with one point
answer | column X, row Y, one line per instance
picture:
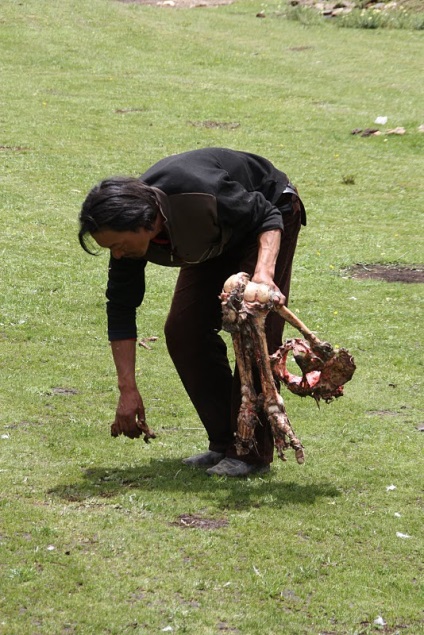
column 191, row 221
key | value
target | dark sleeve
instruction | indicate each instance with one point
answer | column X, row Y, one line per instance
column 244, row 187
column 248, row 213
column 124, row 293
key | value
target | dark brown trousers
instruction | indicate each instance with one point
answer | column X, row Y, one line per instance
column 200, row 354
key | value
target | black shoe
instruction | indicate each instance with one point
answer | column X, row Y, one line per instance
column 207, row 459
column 234, row 467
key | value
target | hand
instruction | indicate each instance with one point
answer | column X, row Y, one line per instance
column 268, row 248
column 260, row 278
column 130, row 416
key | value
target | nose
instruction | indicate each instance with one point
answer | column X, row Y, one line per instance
column 117, row 253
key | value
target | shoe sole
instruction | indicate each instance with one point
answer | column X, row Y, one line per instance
column 201, row 465
column 260, row 470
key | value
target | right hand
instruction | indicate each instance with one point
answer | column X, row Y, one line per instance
column 130, row 418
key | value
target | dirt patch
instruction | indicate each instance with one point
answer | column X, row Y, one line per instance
column 184, row 4
column 223, row 626
column 126, row 111
column 224, row 125
column 194, row 521
column 387, row 630
column 64, row 391
column 298, row 49
column 382, row 413
column 13, row 149
column 23, row 424
column 328, row 8
column 334, row 8
column 389, row 273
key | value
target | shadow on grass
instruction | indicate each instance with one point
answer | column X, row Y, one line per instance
column 169, row 475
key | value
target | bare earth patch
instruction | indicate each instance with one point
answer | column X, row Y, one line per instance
column 333, row 8
column 382, row 413
column 225, row 125
column 13, row 149
column 64, row 391
column 389, row 273
column 184, row 4
column 194, row 521
column 329, row 8
column 25, row 425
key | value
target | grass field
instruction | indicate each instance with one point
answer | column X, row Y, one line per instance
column 92, row 532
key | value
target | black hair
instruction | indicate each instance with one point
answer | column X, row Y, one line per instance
column 120, row 204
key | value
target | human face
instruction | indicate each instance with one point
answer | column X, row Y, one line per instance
column 126, row 244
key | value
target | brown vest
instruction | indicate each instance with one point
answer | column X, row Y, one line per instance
column 191, row 220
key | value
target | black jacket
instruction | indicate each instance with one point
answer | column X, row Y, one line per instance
column 212, row 200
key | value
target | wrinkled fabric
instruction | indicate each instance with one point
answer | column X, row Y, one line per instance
column 250, row 199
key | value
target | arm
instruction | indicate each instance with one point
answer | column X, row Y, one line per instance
column 125, row 292
column 130, row 415
column 268, row 249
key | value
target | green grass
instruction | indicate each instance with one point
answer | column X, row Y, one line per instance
column 90, row 539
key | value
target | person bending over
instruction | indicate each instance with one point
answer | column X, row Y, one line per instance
column 211, row 212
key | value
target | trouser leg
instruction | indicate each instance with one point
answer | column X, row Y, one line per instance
column 199, row 353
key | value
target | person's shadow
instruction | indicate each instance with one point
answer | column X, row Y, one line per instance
column 169, row 475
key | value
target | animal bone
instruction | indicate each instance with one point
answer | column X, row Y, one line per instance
column 323, row 376
column 245, row 306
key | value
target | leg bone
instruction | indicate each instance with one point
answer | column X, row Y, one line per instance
column 247, row 417
column 282, row 430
